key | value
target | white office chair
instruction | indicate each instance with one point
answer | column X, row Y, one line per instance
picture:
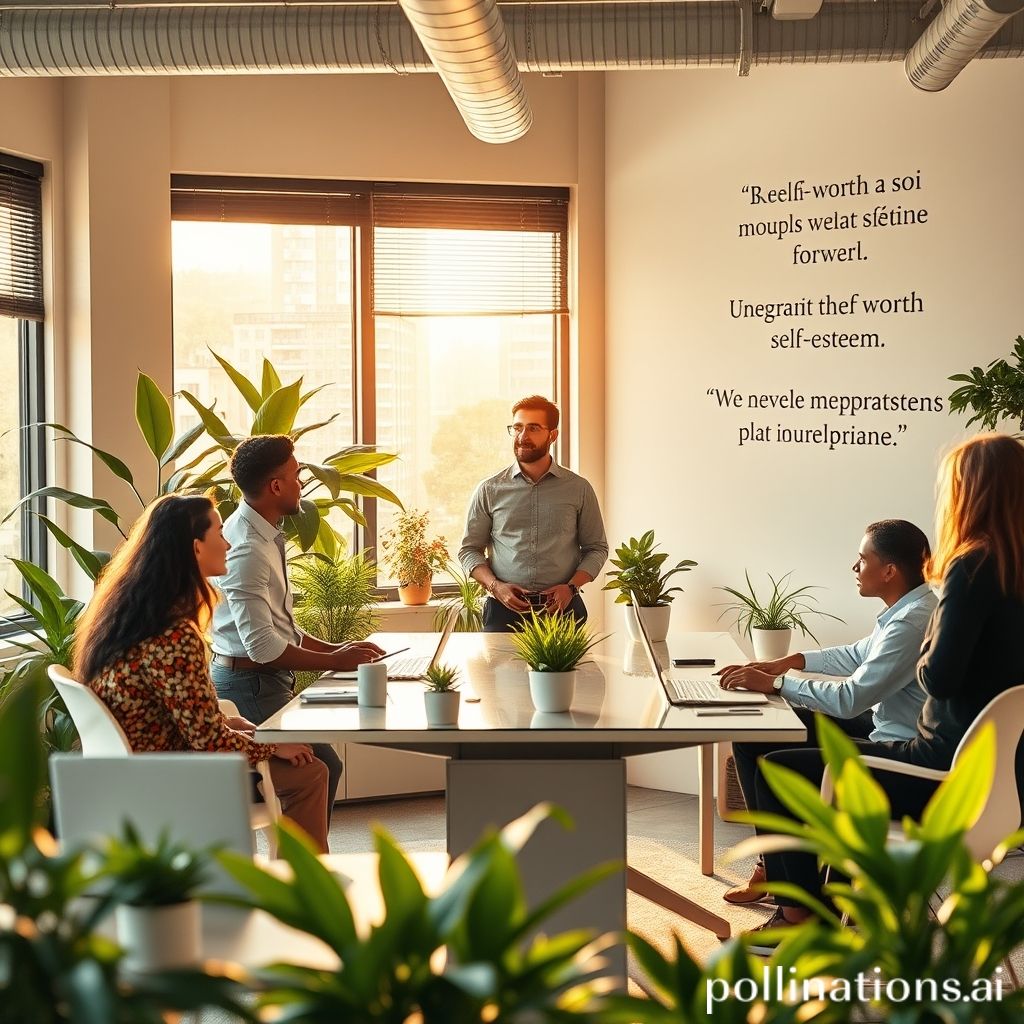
column 102, row 736
column 1001, row 814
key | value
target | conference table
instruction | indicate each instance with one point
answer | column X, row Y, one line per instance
column 503, row 757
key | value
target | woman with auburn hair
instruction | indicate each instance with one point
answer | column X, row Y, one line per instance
column 139, row 646
column 973, row 647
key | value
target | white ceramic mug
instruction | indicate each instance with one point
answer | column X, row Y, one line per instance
column 372, row 682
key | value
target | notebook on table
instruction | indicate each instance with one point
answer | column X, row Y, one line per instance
column 692, row 692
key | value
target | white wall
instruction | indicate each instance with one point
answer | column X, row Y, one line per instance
column 680, row 150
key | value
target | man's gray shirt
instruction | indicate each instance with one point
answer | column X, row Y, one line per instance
column 881, row 670
column 538, row 534
column 254, row 619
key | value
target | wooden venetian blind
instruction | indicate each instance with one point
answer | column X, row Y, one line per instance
column 21, row 239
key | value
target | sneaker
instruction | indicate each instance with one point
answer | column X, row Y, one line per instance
column 766, row 937
column 749, row 891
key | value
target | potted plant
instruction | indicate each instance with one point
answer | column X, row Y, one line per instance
column 411, row 557
column 469, row 600
column 441, row 699
column 335, row 599
column 639, row 579
column 770, row 623
column 553, row 645
column 994, row 394
column 158, row 922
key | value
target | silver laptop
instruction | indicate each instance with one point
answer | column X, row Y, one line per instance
column 688, row 693
column 412, row 667
column 200, row 800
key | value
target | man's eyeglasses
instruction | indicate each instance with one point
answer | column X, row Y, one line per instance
column 515, row 429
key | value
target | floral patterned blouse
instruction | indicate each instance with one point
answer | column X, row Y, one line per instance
column 162, row 695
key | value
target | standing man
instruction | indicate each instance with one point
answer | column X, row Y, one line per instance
column 534, row 533
column 256, row 643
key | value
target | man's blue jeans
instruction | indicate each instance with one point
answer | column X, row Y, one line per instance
column 258, row 696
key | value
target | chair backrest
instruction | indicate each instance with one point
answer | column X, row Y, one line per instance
column 100, row 732
column 200, row 800
column 1002, row 813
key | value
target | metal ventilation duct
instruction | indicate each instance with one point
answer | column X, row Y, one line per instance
column 956, row 35
column 466, row 41
column 202, row 39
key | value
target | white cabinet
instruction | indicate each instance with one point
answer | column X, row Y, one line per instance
column 377, row 771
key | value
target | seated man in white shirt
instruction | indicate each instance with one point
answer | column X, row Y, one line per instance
column 879, row 699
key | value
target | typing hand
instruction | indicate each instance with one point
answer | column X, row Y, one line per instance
column 240, row 724
column 295, row 753
column 347, row 656
column 745, row 677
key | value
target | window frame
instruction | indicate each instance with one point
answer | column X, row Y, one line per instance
column 198, row 192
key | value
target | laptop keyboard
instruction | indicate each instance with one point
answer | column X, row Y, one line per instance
column 408, row 668
column 695, row 690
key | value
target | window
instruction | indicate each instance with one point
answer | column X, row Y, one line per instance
column 21, row 339
column 431, row 309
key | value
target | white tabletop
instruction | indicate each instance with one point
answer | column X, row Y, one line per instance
column 618, row 701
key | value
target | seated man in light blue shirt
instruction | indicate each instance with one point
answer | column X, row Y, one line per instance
column 879, row 699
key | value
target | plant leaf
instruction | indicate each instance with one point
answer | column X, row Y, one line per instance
column 153, row 414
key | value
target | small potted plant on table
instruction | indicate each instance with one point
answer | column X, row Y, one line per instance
column 158, row 922
column 553, row 646
column 770, row 623
column 411, row 557
column 638, row 578
column 442, row 697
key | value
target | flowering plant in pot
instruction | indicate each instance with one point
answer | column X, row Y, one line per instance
column 552, row 646
column 411, row 557
column 770, row 623
column 441, row 699
column 639, row 579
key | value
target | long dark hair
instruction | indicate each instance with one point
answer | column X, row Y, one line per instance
column 152, row 581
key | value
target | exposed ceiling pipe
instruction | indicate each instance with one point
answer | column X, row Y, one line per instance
column 467, row 44
column 956, row 35
column 555, row 37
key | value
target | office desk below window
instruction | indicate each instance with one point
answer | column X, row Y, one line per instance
column 504, row 757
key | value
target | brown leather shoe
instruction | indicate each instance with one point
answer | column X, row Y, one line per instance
column 747, row 892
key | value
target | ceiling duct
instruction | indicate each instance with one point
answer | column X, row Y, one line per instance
column 203, row 39
column 467, row 44
column 955, row 36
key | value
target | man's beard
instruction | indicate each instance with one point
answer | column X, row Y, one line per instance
column 532, row 453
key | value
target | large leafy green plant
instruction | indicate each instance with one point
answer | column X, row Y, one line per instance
column 179, row 466
column 887, row 887
column 993, row 394
column 637, row 575
column 55, row 965
column 498, row 967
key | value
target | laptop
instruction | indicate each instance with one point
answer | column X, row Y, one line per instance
column 200, row 800
column 690, row 693
column 410, row 667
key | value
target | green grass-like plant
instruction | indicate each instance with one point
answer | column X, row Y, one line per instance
column 441, row 678
column 553, row 643
column 785, row 608
column 469, row 600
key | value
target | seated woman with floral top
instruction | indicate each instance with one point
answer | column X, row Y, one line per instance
column 140, row 647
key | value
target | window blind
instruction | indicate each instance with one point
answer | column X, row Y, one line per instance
column 21, row 239
column 437, row 250
column 469, row 255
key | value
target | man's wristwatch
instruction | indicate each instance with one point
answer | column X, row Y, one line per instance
column 574, row 590
column 777, row 684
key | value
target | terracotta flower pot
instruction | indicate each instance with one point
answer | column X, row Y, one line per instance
column 415, row 593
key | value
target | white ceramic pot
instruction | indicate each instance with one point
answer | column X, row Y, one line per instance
column 552, row 691
column 158, row 938
column 655, row 619
column 442, row 708
column 771, row 644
